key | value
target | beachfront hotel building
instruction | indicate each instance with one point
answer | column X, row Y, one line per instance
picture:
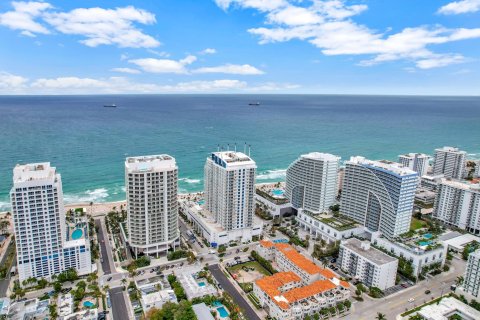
column 230, row 189
column 152, row 207
column 457, row 204
column 417, row 162
column 367, row 264
column 450, row 162
column 301, row 287
column 379, row 195
column 46, row 245
column 311, row 181
column 471, row 282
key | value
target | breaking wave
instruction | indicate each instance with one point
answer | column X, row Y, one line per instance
column 96, row 195
column 190, row 181
column 272, row 174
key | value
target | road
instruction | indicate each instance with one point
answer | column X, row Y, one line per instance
column 6, row 282
column 106, row 255
column 119, row 306
column 247, row 310
column 398, row 303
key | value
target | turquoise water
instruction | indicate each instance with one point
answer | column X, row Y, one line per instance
column 277, row 192
column 217, row 304
column 88, row 143
column 222, row 312
column 424, row 243
column 201, row 202
column 77, row 234
column 88, row 304
column 428, row 236
column 280, row 241
column 201, row 284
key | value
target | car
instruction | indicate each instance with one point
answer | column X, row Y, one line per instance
column 152, row 271
column 109, row 278
column 411, row 300
column 404, row 285
column 181, row 264
column 237, row 258
column 427, row 291
column 142, row 272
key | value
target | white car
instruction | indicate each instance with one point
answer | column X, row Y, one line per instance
column 411, row 300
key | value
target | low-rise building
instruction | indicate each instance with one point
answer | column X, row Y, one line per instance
column 286, row 296
column 65, row 305
column 272, row 200
column 155, row 292
column 328, row 227
column 419, row 256
column 367, row 264
column 194, row 285
column 447, row 308
column 88, row 314
column 456, row 241
column 29, row 309
column 202, row 311
column 204, row 224
column 430, row 182
column 471, row 283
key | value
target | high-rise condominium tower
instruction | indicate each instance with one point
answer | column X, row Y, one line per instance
column 417, row 162
column 458, row 204
column 450, row 162
column 230, row 189
column 379, row 194
column 311, row 181
column 471, row 283
column 152, row 207
column 45, row 245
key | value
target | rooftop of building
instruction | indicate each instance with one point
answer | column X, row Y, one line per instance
column 150, row 163
column 450, row 149
column 33, row 171
column 340, row 223
column 385, row 165
column 414, row 154
column 309, row 290
column 446, row 308
column 461, row 184
column 368, row 252
column 299, row 259
column 232, row 158
column 321, row 156
column 202, row 311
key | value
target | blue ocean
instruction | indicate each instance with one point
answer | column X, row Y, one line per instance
column 88, row 143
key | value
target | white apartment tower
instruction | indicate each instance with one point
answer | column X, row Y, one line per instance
column 471, row 282
column 367, row 264
column 311, row 181
column 230, row 189
column 417, row 162
column 450, row 162
column 44, row 244
column 458, row 204
column 379, row 195
column 152, row 206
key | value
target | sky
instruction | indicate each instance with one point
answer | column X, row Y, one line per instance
column 413, row 47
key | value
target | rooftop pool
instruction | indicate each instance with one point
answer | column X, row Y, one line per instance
column 77, row 234
column 222, row 312
column 88, row 304
column 278, row 192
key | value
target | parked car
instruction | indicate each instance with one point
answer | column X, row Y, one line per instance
column 427, row 291
column 109, row 278
column 411, row 300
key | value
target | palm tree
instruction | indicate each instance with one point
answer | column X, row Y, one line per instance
column 123, row 281
column 459, row 280
column 380, row 316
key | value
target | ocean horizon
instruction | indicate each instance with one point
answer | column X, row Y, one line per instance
column 88, row 143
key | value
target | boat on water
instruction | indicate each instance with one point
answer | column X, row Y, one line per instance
column 110, row 105
column 254, row 103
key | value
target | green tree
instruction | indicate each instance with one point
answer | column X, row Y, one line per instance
column 52, row 308
column 380, row 316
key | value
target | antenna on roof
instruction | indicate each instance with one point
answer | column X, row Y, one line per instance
column 245, row 148
column 249, row 150
column 228, row 146
column 218, row 147
column 235, row 147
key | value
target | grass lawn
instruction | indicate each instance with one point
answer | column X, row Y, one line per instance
column 417, row 224
column 251, row 264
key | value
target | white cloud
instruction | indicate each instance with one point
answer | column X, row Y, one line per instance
column 14, row 84
column 458, row 7
column 23, row 17
column 126, row 70
column 164, row 65
column 208, row 51
column 98, row 26
column 244, row 69
column 329, row 26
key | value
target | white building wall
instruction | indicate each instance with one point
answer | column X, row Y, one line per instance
column 450, row 162
column 471, row 283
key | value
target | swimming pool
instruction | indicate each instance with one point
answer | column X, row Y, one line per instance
column 222, row 312
column 88, row 304
column 217, row 304
column 280, row 241
column 424, row 243
column 427, row 235
column 278, row 192
column 201, row 202
column 201, row 284
column 77, row 234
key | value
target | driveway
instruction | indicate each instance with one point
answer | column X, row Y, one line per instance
column 247, row 310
